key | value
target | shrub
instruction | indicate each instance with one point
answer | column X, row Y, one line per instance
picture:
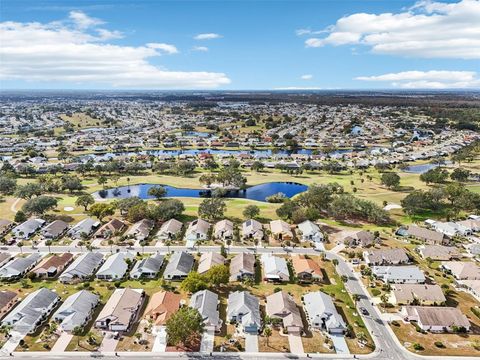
column 418, row 347
column 439, row 344
column 476, row 311
column 395, row 323
column 376, row 292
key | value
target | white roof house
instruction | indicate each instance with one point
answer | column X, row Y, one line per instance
column 275, row 268
column 223, row 230
column 19, row 266
column 82, row 267
column 244, row 309
column 206, row 302
column 209, row 259
column 140, row 230
column 399, row 274
column 26, row 229
column 115, row 267
column 147, row 267
column 322, row 314
column 76, row 310
column 169, row 230
column 310, row 231
column 252, row 229
column 197, row 230
column 86, row 227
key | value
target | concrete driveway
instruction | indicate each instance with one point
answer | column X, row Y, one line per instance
column 340, row 344
column 251, row 343
column 12, row 343
column 207, row 340
column 109, row 343
column 160, row 343
column 295, row 342
column 62, row 342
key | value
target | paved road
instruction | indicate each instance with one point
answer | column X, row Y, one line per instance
column 387, row 345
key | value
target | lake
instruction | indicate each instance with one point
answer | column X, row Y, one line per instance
column 257, row 192
column 420, row 169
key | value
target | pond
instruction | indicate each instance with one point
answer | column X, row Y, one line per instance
column 257, row 192
column 420, row 169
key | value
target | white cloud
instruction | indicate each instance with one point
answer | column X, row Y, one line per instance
column 433, row 79
column 167, row 48
column 428, row 30
column 82, row 20
column 200, row 48
column 207, row 36
column 306, row 77
column 79, row 54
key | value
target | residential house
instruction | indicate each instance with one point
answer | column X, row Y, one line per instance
column 27, row 316
column 161, row 306
column 429, row 236
column 322, row 314
column 197, row 230
column 306, row 269
column 77, row 310
column 209, row 259
column 399, row 274
column 244, row 309
column 462, row 270
column 450, row 228
column 121, row 310
column 115, row 267
column 169, row 230
column 206, row 302
column 26, row 229
column 281, row 230
column 179, row 265
column 438, row 252
column 470, row 286
column 148, row 267
column 83, row 229
column 5, row 226
column 54, row 230
column 19, row 266
column 242, row 266
column 223, row 230
column 8, row 299
column 310, row 231
column 111, row 228
column 386, row 257
column 275, row 268
column 140, row 230
column 52, row 266
column 82, row 268
column 362, row 238
column 436, row 319
column 252, row 229
column 470, row 224
column 280, row 305
column 5, row 257
column 421, row 294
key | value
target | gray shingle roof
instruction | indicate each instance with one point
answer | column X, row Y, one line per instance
column 151, row 264
column 83, row 266
column 76, row 310
column 19, row 265
column 180, row 262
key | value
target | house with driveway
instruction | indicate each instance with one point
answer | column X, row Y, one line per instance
column 208, row 260
column 242, row 266
column 169, row 230
column 52, row 266
column 26, row 229
column 253, row 230
column 281, row 305
column 54, row 230
column 148, row 267
column 394, row 256
column 223, row 230
column 161, row 306
column 115, row 267
column 8, row 299
column 82, row 268
column 244, row 309
column 306, row 269
column 399, row 274
column 140, row 230
column 206, row 302
column 462, row 270
column 33, row 311
column 281, row 230
column 421, row 294
column 309, row 231
column 83, row 228
column 275, row 268
column 197, row 230
column 121, row 310
column 111, row 228
column 77, row 310
column 179, row 265
column 322, row 314
column 19, row 266
column 436, row 319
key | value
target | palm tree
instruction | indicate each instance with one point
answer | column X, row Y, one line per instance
column 168, row 243
column 77, row 331
column 48, row 243
column 20, row 245
column 335, row 262
column 355, row 298
column 384, row 298
column 267, row 332
column 361, row 336
column 111, row 242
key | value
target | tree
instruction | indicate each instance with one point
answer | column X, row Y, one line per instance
column 415, row 203
column 391, row 180
column 78, row 331
column 212, row 208
column 257, row 166
column 194, row 282
column 71, row 183
column 267, row 332
column 7, row 185
column 460, row 175
column 102, row 180
column 355, row 298
column 167, row 209
column 436, row 176
column 100, row 210
column 218, row 275
column 20, row 217
column 251, row 211
column 185, row 327
column 85, row 201
column 39, row 205
column 157, row 191
column 48, row 243
column 184, row 167
column 29, row 190
column 124, row 205
column 384, row 298
column 335, row 262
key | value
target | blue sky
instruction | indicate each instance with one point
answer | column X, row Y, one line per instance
column 245, row 44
